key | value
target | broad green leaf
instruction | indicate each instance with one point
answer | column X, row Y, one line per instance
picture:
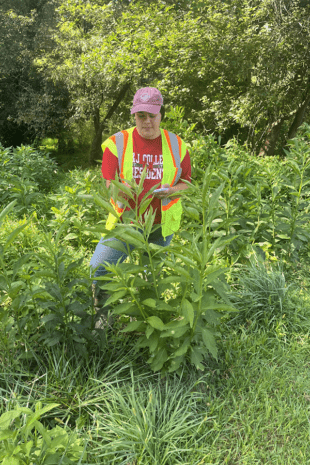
column 70, row 236
column 111, row 286
column 158, row 361
column 197, row 358
column 175, row 333
column 3, row 283
column 176, row 324
column 139, row 282
column 123, row 188
column 116, row 244
column 132, row 268
column 150, row 192
column 115, row 296
column 51, row 317
column 124, row 308
column 212, row 317
column 149, row 219
column 175, row 363
column 144, row 205
column 133, row 238
column 60, row 439
column 6, row 434
column 44, row 433
column 153, row 341
column 53, row 341
column 185, row 259
column 149, row 331
column 294, row 166
column 213, row 275
column 188, row 312
column 104, row 204
column 134, row 326
column 184, row 347
column 209, row 341
column 193, row 213
column 156, row 322
column 195, row 297
column 7, row 417
column 220, row 290
column 20, row 263
column 150, row 303
column 178, row 269
column 165, row 306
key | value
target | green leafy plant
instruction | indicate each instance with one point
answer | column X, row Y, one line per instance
column 177, row 308
column 24, row 440
column 64, row 298
column 29, row 163
column 44, row 297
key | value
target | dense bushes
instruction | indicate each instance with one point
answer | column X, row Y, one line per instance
column 237, row 207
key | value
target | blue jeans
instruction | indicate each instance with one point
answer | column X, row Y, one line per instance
column 105, row 254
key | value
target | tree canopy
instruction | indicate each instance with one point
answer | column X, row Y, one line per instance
column 238, row 67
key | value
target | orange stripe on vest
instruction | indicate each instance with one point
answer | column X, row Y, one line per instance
column 172, row 202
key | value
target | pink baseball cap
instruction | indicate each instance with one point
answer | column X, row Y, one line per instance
column 147, row 99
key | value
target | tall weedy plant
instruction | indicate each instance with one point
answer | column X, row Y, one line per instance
column 174, row 294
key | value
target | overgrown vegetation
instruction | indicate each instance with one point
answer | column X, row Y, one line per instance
column 207, row 359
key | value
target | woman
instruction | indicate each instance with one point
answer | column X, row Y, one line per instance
column 167, row 162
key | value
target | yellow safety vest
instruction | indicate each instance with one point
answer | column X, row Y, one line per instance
column 174, row 150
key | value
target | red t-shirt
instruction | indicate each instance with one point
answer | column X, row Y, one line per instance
column 145, row 152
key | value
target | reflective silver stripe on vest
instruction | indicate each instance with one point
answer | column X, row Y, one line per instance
column 119, row 139
column 177, row 157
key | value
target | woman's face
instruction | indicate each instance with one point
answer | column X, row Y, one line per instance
column 148, row 124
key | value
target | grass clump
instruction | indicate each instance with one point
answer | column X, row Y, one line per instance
column 158, row 422
column 265, row 299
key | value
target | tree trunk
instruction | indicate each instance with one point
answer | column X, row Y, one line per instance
column 299, row 116
column 95, row 151
column 274, row 137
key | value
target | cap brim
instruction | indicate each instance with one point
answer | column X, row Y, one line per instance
column 155, row 109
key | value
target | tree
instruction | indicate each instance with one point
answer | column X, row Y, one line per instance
column 99, row 52
column 27, row 100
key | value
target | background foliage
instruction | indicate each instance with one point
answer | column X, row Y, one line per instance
column 237, row 68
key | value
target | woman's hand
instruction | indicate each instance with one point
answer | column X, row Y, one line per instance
column 164, row 194
column 171, row 192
